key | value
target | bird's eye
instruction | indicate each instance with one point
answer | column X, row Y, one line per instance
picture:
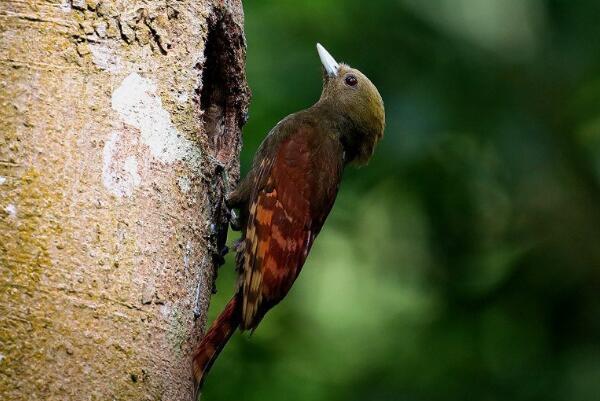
column 351, row 80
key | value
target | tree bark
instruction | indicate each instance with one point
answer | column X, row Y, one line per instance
column 120, row 133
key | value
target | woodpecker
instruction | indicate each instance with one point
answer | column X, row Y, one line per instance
column 285, row 198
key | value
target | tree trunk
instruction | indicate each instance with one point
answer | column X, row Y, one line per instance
column 120, row 133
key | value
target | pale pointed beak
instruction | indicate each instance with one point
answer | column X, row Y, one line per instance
column 331, row 66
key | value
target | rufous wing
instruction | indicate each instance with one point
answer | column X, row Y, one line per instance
column 282, row 223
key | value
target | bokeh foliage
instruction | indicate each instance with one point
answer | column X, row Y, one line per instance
column 464, row 262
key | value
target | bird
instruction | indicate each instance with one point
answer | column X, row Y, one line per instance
column 288, row 193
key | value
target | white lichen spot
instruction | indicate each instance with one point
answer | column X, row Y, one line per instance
column 2, row 180
column 184, row 184
column 165, row 311
column 65, row 6
column 138, row 104
column 101, row 28
column 11, row 209
column 186, row 255
column 121, row 181
column 131, row 168
column 182, row 97
column 1, row 357
column 105, row 58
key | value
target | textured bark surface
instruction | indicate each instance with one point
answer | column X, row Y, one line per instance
column 120, row 133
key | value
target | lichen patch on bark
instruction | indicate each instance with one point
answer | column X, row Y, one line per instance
column 122, row 179
column 105, row 57
column 137, row 104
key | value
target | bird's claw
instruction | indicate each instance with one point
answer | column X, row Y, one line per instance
column 234, row 221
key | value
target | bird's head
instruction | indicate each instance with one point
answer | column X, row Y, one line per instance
column 356, row 105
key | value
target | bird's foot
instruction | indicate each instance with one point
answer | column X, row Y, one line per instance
column 230, row 214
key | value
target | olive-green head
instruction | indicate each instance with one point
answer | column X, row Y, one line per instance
column 357, row 105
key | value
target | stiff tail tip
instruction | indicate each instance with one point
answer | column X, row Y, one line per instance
column 213, row 342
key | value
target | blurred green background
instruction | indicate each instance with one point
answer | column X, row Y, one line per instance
column 464, row 262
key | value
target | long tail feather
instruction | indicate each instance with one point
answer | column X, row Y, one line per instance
column 213, row 342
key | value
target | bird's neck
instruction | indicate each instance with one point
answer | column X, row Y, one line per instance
column 348, row 132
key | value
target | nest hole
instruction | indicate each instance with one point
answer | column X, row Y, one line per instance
column 223, row 97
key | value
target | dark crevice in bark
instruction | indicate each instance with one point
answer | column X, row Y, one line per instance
column 224, row 94
column 224, row 97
